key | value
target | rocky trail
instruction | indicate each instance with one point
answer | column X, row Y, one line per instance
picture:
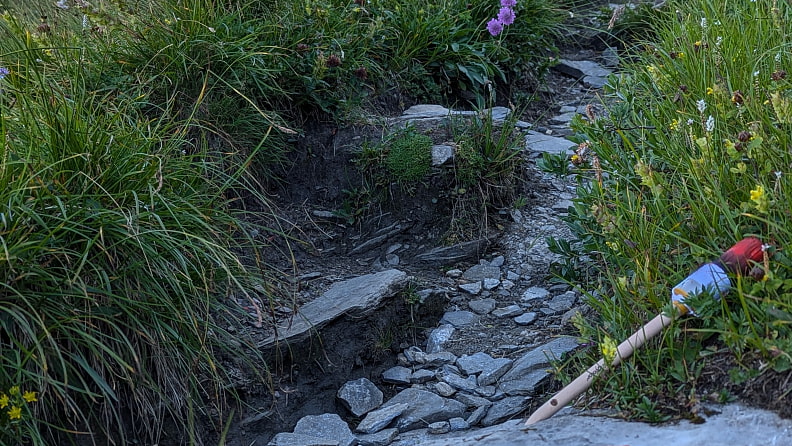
column 401, row 342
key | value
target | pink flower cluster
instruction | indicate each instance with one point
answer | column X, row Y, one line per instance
column 505, row 17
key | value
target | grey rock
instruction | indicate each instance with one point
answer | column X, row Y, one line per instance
column 439, row 359
column 439, row 427
column 459, row 318
column 423, row 407
column 525, row 319
column 563, row 302
column 473, row 364
column 482, row 306
column 471, row 400
column 562, row 206
column 438, row 337
column 733, row 425
column 506, row 284
column 569, row 315
column 360, row 396
column 522, row 125
column 504, row 409
column 487, row 391
column 480, row 272
column 595, row 81
column 379, row 419
column 530, row 370
column 414, row 355
column 567, row 109
column 397, row 375
column 326, row 426
column 381, row 438
column 468, row 384
column 494, row 370
column 291, row 439
column 422, row 376
column 473, row 288
column 454, row 273
column 534, row 293
column 539, row 142
column 356, row 298
column 564, row 118
column 498, row 261
column 426, row 111
column 447, row 255
column 510, row 311
column 579, row 69
column 458, row 424
column 442, row 154
column 498, row 114
column 478, row 414
column 490, row 284
column 392, row 259
column 513, row 276
column 444, row 389
column 610, row 57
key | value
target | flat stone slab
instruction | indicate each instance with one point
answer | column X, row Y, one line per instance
column 360, row 396
column 423, row 408
column 355, row 297
column 579, row 69
column 539, row 142
column 733, row 425
column 530, row 370
column 459, row 318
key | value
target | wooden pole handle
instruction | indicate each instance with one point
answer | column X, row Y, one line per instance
column 583, row 382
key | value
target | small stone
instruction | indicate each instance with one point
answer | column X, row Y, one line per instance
column 438, row 337
column 414, row 356
column 482, row 271
column 513, row 276
column 525, row 319
column 498, row 261
column 534, row 293
column 444, row 389
column 478, row 415
column 471, row 400
column 326, row 426
column 458, row 424
column 468, row 384
column 439, row 359
column 486, row 391
column 459, row 318
column 491, row 284
column 454, row 273
column 506, row 284
column 422, row 376
column 379, row 419
column 504, row 409
column 482, row 306
column 291, row 439
column 360, row 396
column 392, row 259
column 397, row 375
column 381, row 438
column 569, row 315
column 442, row 154
column 471, row 288
column 510, row 311
column 563, row 302
column 439, row 427
column 474, row 364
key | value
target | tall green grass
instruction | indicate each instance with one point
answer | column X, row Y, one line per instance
column 122, row 258
column 692, row 157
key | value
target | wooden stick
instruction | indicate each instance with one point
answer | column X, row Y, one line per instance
column 583, row 382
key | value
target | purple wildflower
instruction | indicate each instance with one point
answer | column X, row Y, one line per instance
column 508, row 3
column 506, row 16
column 4, row 72
column 494, row 27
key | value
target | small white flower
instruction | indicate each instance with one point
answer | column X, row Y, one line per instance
column 703, row 22
column 778, row 58
column 718, row 40
column 690, row 121
column 778, row 174
column 756, row 73
column 709, row 126
column 717, row 22
column 62, row 4
column 85, row 22
column 701, row 105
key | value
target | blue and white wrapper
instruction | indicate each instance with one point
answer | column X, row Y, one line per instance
column 709, row 277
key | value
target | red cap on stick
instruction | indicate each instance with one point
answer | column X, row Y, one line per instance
column 737, row 259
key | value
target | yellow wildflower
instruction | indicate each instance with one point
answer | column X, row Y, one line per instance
column 3, row 401
column 15, row 413
column 710, row 90
column 674, row 124
column 608, row 349
column 760, row 199
column 29, row 396
column 14, row 390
